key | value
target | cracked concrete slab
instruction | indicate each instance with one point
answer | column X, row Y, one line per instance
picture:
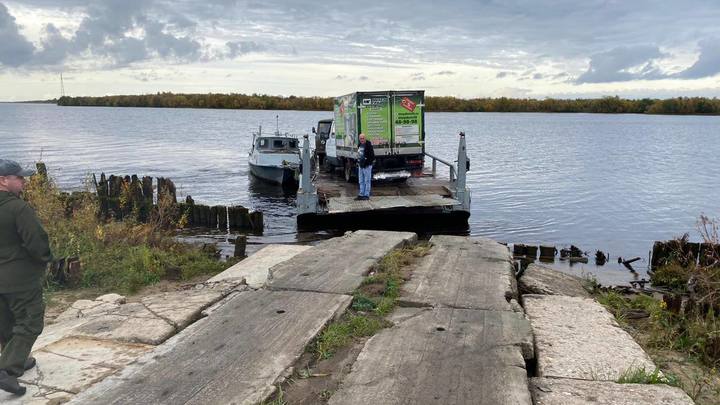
column 442, row 356
column 95, row 338
column 543, row 280
column 64, row 373
column 337, row 265
column 181, row 308
column 36, row 396
column 57, row 331
column 578, row 338
column 401, row 314
column 233, row 356
column 150, row 321
column 86, row 309
column 255, row 269
column 148, row 330
column 106, row 353
column 562, row 391
column 71, row 365
column 465, row 273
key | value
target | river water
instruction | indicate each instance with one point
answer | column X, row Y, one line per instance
column 610, row 182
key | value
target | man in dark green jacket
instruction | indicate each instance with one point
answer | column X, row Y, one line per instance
column 24, row 254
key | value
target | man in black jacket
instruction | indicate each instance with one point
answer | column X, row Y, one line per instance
column 366, row 157
column 24, row 254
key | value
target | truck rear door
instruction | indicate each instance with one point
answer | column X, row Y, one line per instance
column 407, row 121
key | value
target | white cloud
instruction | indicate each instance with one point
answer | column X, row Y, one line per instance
column 541, row 48
column 708, row 62
column 623, row 63
column 15, row 49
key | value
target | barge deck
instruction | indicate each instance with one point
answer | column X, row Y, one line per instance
column 326, row 201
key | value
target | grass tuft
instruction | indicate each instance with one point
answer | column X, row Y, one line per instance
column 639, row 375
column 671, row 275
column 340, row 334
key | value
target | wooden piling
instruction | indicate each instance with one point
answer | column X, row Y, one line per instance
column 213, row 217
column 101, row 188
column 600, row 258
column 256, row 221
column 240, row 245
column 547, row 251
column 531, row 252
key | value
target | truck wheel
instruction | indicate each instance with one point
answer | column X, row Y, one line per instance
column 349, row 176
column 328, row 167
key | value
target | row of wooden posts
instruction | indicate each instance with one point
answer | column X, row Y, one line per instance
column 123, row 196
column 684, row 253
column 679, row 251
column 220, row 216
column 530, row 252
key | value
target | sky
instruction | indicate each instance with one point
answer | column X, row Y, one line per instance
column 468, row 49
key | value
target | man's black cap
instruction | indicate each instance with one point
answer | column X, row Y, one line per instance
column 13, row 168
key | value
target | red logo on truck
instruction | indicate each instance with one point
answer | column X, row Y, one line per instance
column 408, row 104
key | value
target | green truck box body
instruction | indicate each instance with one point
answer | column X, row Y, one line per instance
column 394, row 121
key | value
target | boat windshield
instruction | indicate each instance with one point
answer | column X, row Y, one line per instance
column 277, row 144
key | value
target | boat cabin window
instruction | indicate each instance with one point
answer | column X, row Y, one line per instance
column 277, row 144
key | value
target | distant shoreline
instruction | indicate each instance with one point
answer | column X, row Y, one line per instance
column 53, row 101
column 604, row 105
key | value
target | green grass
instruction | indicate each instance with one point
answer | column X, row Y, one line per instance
column 639, row 375
column 694, row 333
column 341, row 333
column 376, row 298
column 114, row 256
column 362, row 302
column 671, row 275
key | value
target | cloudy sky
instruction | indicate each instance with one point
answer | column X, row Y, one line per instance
column 471, row 48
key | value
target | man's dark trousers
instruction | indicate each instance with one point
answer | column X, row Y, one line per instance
column 21, row 322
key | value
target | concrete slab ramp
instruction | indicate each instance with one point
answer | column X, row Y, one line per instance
column 337, row 265
column 465, row 344
column 233, row 356
column 463, row 273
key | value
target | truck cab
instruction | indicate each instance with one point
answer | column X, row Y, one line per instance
column 322, row 134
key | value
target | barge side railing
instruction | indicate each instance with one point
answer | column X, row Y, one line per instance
column 436, row 159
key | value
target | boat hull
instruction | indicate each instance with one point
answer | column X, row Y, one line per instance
column 274, row 175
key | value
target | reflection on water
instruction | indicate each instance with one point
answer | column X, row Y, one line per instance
column 609, row 182
column 263, row 191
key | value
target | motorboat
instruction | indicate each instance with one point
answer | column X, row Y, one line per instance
column 275, row 158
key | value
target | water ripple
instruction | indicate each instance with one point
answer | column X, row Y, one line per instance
column 610, row 182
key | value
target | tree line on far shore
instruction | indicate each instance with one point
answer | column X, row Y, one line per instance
column 608, row 105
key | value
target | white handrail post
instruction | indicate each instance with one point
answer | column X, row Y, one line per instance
column 461, row 192
column 307, row 201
